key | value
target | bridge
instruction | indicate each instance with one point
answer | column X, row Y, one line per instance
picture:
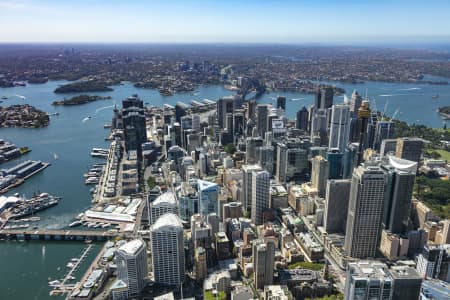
column 57, row 235
column 251, row 85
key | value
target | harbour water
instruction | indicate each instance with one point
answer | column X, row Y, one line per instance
column 66, row 143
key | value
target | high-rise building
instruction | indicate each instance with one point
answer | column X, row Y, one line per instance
column 167, row 246
column 180, row 111
column 302, row 119
column 363, row 120
column 131, row 260
column 434, row 262
column 336, row 205
column 260, row 195
column 262, row 119
column 367, row 280
column 281, row 102
column 227, row 105
column 208, row 194
column 335, row 163
column 165, row 203
column 263, row 262
column 200, row 263
column 319, row 174
column 355, row 103
column 319, row 125
column 384, row 130
column 365, row 210
column 339, row 127
column 135, row 132
column 251, row 151
column 324, row 98
column 388, row 146
column 409, row 148
column 246, row 194
column 292, row 162
column 265, row 158
column 407, row 283
column 401, row 174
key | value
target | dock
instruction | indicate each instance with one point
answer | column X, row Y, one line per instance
column 56, row 235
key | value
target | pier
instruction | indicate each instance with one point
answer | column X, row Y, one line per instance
column 57, row 235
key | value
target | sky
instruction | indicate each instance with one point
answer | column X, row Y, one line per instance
column 225, row 21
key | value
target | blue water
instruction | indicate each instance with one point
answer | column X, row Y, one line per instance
column 67, row 141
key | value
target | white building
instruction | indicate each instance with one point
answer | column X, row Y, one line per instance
column 167, row 250
column 165, row 203
column 260, row 195
column 131, row 259
column 208, row 193
column 339, row 127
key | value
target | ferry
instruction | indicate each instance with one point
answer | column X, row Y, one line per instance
column 54, row 283
column 107, row 126
column 435, row 96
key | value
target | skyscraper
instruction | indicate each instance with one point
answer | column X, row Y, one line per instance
column 335, row 160
column 135, row 132
column 319, row 174
column 339, row 127
column 260, row 195
column 336, row 205
column 266, row 158
column 324, row 98
column 384, row 130
column 246, row 193
column 208, row 193
column 363, row 119
column 263, row 262
column 262, row 117
column 251, row 151
column 131, row 259
column 165, row 203
column 365, row 212
column 409, row 148
column 401, row 174
column 355, row 103
column 281, row 102
column 167, row 247
column 302, row 119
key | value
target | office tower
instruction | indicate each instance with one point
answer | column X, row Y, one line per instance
column 263, row 262
column 281, row 102
column 349, row 160
column 319, row 174
column 335, row 163
column 165, row 203
column 324, row 98
column 167, row 246
column 251, row 151
column 339, row 127
column 355, row 103
column 384, row 130
column 365, row 212
column 388, row 146
column 222, row 246
column 407, row 283
column 251, row 110
column 135, row 132
column 446, row 232
column 238, row 123
column 302, row 119
column 260, row 195
column 246, row 192
column 180, row 111
column 200, row 263
column 292, row 163
column 371, row 130
column 409, row 148
column 401, row 174
column 319, row 125
column 363, row 118
column 265, row 159
column 188, row 196
column 208, row 193
column 262, row 118
column 227, row 105
column 195, row 122
column 131, row 260
column 336, row 205
column 434, row 262
column 367, row 280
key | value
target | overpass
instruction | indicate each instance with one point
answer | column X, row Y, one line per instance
column 57, row 235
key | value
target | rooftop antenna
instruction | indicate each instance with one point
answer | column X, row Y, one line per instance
column 367, row 91
column 385, row 108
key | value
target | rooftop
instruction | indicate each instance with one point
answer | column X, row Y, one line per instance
column 168, row 220
column 167, row 197
column 132, row 247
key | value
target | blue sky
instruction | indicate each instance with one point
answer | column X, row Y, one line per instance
column 185, row 21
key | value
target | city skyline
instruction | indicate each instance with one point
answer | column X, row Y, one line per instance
column 198, row 21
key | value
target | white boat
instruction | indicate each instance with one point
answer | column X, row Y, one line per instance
column 74, row 259
column 70, row 265
column 105, row 225
column 75, row 223
column 54, row 283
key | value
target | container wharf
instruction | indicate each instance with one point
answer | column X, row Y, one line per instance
column 19, row 173
column 56, row 235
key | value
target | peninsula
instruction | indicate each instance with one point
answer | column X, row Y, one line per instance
column 83, row 86
column 24, row 116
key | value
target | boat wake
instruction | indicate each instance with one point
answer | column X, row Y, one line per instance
column 393, row 95
column 85, row 119
column 21, row 97
column 103, row 108
column 297, row 99
column 411, row 89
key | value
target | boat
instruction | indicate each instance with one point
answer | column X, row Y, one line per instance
column 435, row 96
column 74, row 259
column 54, row 114
column 70, row 265
column 75, row 223
column 54, row 283
column 105, row 225
column 107, row 126
column 4, row 97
